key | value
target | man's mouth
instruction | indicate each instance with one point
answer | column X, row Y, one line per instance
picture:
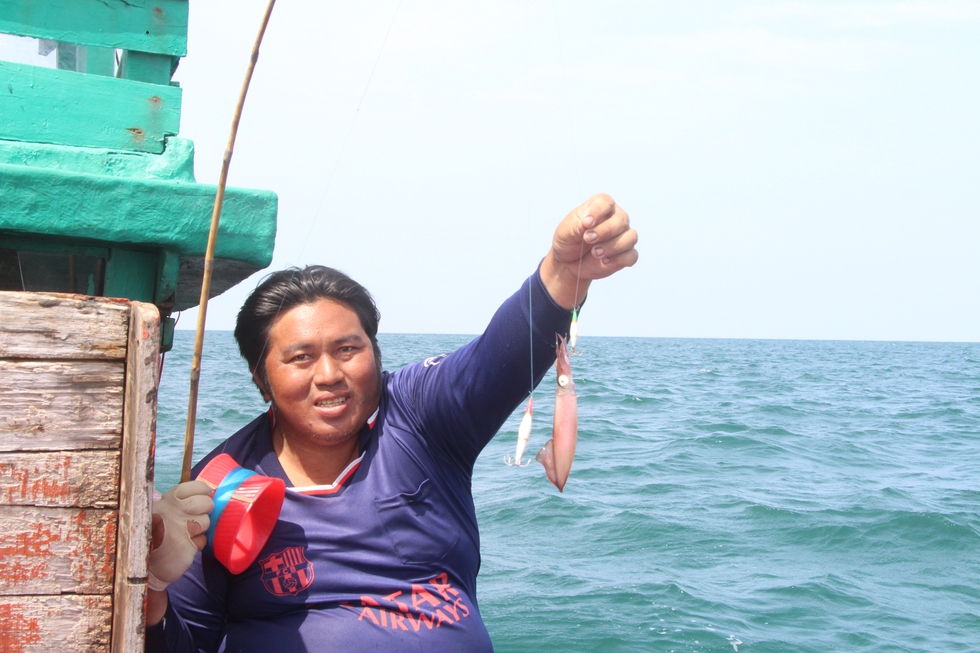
column 330, row 403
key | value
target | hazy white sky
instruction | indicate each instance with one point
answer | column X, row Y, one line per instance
column 794, row 169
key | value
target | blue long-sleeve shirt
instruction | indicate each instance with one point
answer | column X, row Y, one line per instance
column 385, row 559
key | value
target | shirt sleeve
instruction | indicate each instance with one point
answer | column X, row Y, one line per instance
column 463, row 400
column 170, row 635
column 195, row 617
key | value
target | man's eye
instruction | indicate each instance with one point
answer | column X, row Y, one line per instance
column 299, row 358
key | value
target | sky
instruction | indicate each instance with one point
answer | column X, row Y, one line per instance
column 803, row 170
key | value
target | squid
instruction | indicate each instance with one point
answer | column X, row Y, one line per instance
column 557, row 453
column 523, row 434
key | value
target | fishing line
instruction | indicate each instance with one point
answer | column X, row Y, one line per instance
column 568, row 103
column 573, row 327
column 215, row 220
column 350, row 129
column 336, row 165
column 524, row 429
column 527, row 208
column 525, row 426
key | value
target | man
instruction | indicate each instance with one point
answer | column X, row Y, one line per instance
column 377, row 545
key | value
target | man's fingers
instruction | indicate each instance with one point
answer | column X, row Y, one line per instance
column 198, row 524
column 199, row 504
column 616, row 245
column 616, row 225
column 191, row 488
column 599, row 207
column 625, row 260
column 200, row 541
column 596, row 220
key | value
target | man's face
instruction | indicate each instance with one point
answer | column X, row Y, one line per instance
column 321, row 374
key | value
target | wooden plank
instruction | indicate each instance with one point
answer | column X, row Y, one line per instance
column 152, row 213
column 50, row 325
column 56, row 550
column 60, row 405
column 46, row 105
column 159, row 26
column 136, row 484
column 41, row 624
column 81, row 479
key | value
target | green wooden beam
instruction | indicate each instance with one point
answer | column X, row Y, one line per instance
column 146, row 213
column 159, row 26
column 131, row 274
column 100, row 61
column 144, row 67
column 67, row 108
column 176, row 162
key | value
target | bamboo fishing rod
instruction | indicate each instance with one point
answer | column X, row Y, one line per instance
column 219, row 198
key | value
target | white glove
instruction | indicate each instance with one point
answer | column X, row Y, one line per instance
column 183, row 513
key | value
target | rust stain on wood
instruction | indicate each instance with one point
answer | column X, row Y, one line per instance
column 138, row 134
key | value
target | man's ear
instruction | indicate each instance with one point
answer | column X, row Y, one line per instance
column 258, row 381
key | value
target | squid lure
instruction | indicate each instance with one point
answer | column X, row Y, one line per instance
column 557, row 454
column 523, row 434
column 573, row 332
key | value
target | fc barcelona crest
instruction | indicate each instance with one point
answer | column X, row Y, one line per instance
column 288, row 572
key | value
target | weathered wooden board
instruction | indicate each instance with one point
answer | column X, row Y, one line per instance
column 42, row 326
column 42, row 624
column 77, row 429
column 46, row 105
column 56, row 550
column 158, row 26
column 136, row 489
column 81, row 479
column 60, row 405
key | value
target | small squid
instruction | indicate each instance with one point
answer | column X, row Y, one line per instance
column 557, row 454
column 523, row 433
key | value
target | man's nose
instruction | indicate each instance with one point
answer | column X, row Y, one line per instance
column 326, row 371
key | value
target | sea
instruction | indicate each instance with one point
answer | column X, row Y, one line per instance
column 747, row 496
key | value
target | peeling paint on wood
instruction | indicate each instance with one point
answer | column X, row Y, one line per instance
column 46, row 105
column 41, row 624
column 81, row 479
column 60, row 405
column 74, row 433
column 136, row 489
column 50, row 325
column 159, row 26
column 57, row 550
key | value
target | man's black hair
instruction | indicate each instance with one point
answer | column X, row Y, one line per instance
column 284, row 290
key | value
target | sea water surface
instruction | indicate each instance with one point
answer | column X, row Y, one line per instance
column 727, row 495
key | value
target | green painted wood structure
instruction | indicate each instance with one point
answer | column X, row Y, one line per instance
column 97, row 193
